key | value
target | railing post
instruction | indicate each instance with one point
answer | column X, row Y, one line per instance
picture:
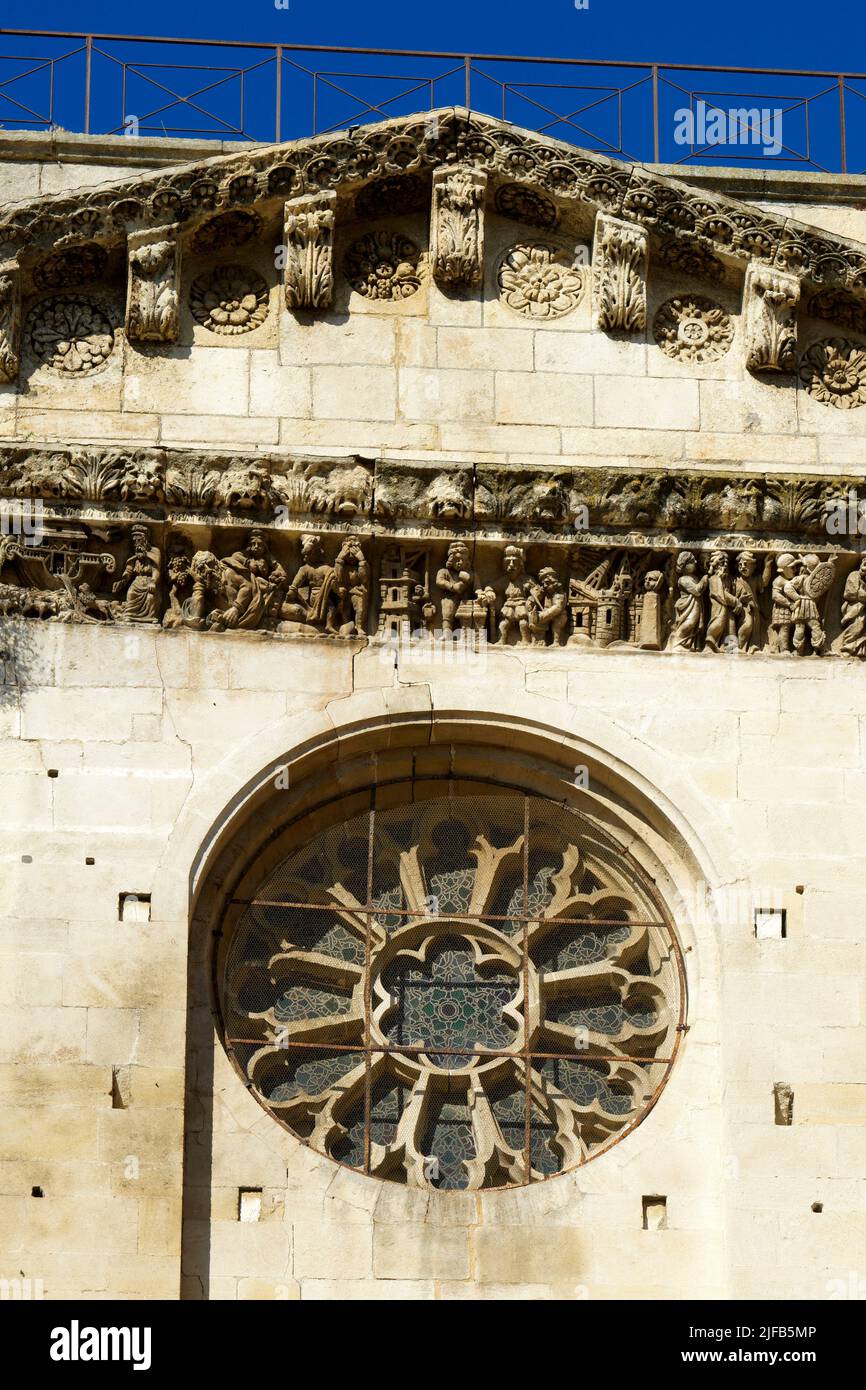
column 843, row 143
column 278, row 121
column 467, row 72
column 655, row 113
column 88, row 43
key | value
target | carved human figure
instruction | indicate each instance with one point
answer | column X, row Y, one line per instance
column 455, row 580
column 139, row 581
column 811, row 584
column 254, row 587
column 302, row 596
column 854, row 613
column 651, row 631
column 689, row 605
column 724, row 605
column 514, row 586
column 747, row 589
column 547, row 609
column 349, row 593
column 784, row 597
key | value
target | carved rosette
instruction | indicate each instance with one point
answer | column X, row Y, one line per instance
column 383, row 266
column 457, row 226
column 152, row 309
column 309, row 251
column 523, row 203
column 620, row 258
column 834, row 373
column 10, row 321
column 693, row 329
column 770, row 301
column 539, row 281
column 75, row 265
column 229, row 300
column 70, row 335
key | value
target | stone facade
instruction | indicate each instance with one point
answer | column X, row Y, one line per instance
column 439, row 454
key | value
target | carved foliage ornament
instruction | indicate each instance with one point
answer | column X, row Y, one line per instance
column 693, row 329
column 229, row 300
column 228, row 229
column 770, row 300
column 10, row 321
column 457, row 229
column 834, row 373
column 688, row 259
column 69, row 334
column 391, row 197
column 75, row 265
column 539, row 281
column 523, row 203
column 383, row 266
column 309, row 245
column 620, row 255
column 152, row 310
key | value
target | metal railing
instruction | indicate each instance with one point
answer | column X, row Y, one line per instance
column 673, row 113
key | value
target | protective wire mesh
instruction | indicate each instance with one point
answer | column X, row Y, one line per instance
column 455, row 991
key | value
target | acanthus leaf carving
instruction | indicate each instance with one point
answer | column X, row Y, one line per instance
column 457, row 226
column 10, row 321
column 309, row 251
column 153, row 284
column 770, row 301
column 620, row 259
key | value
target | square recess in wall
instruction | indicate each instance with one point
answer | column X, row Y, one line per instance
column 133, row 907
column 771, row 923
column 249, row 1204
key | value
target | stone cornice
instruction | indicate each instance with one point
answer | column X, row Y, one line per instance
column 343, row 163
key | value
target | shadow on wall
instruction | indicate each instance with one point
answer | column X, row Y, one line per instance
column 17, row 655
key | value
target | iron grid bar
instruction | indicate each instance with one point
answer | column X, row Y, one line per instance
column 446, row 916
column 652, row 72
column 431, row 1049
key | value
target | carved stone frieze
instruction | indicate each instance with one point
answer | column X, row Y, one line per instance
column 10, row 321
column 841, row 308
column 427, row 494
column 77, row 265
column 383, row 266
column 686, row 258
column 229, row 300
column 770, row 302
column 620, row 258
column 227, row 229
column 70, row 334
column 834, row 373
column 153, row 286
column 309, row 252
column 457, row 226
column 540, row 281
column 693, row 329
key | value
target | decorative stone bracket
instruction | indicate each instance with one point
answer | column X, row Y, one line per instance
column 153, row 285
column 10, row 320
column 457, row 226
column 770, row 301
column 620, row 258
column 309, row 251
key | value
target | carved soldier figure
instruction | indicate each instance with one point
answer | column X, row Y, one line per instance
column 689, row 605
column 515, row 587
column 784, row 598
column 254, row 586
column 811, row 585
column 349, row 592
column 724, row 606
column 854, row 613
column 140, row 581
column 547, row 610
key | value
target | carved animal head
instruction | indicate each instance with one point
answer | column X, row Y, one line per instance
column 247, row 488
column 447, row 497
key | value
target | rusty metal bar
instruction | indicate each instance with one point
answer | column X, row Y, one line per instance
column 431, row 1048
column 362, row 910
column 843, row 143
column 88, row 62
column 655, row 113
column 279, row 96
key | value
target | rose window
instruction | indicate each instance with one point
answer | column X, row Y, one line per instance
column 454, row 992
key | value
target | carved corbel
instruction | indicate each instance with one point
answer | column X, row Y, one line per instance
column 457, row 226
column 152, row 286
column 619, row 270
column 770, row 301
column 10, row 320
column 309, row 253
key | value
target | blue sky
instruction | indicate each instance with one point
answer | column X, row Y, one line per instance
column 735, row 33
column 738, row 32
